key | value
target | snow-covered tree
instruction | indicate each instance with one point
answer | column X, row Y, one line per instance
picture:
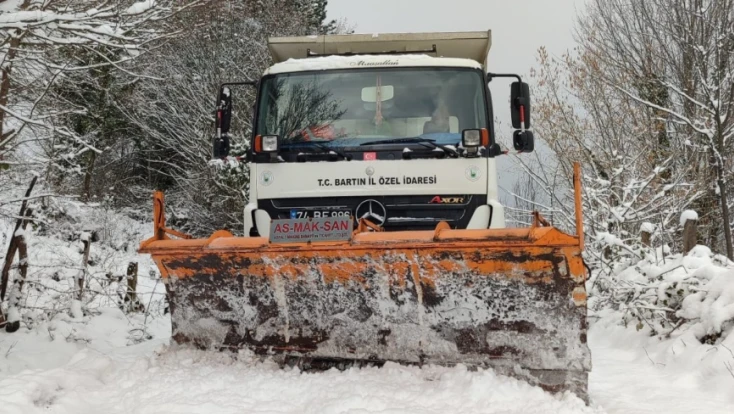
column 315, row 11
column 645, row 102
column 627, row 180
column 675, row 61
column 176, row 116
column 41, row 43
column 89, row 166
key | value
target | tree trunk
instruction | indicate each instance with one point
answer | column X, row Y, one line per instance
column 5, row 82
column 721, row 182
column 7, row 65
column 725, row 214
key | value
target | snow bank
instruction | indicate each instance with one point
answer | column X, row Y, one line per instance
column 197, row 382
column 635, row 373
column 713, row 305
column 674, row 314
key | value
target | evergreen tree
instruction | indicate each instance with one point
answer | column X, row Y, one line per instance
column 317, row 17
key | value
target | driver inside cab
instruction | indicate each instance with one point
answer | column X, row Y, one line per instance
column 439, row 121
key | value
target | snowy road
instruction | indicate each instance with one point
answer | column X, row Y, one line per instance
column 627, row 381
column 187, row 381
column 622, row 384
column 106, row 376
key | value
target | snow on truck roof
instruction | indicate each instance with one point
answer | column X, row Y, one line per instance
column 455, row 49
column 366, row 62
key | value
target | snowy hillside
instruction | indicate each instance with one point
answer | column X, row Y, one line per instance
column 113, row 362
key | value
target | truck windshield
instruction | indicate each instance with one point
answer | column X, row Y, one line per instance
column 358, row 107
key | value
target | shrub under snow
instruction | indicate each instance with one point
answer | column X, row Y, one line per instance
column 674, row 293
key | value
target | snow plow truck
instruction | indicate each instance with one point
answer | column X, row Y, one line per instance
column 373, row 230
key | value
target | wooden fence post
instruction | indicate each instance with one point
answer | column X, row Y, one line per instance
column 131, row 295
column 13, row 247
column 76, row 308
column 689, row 220
column 13, row 320
column 87, row 242
column 646, row 230
column 689, row 235
column 645, row 238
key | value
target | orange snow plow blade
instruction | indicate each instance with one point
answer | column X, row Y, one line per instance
column 510, row 299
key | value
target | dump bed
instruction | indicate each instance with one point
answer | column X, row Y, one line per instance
column 465, row 45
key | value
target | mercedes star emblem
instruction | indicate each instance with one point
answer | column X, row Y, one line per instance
column 369, row 171
column 372, row 210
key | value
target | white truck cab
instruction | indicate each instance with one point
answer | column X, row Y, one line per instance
column 394, row 128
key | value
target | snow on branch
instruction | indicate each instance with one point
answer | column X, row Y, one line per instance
column 42, row 40
column 141, row 7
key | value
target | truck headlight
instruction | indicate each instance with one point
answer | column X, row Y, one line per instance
column 266, row 143
column 473, row 138
column 270, row 143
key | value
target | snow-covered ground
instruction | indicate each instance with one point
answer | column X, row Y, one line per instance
column 110, row 362
column 635, row 374
column 39, row 374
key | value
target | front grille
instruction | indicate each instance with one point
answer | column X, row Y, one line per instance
column 414, row 212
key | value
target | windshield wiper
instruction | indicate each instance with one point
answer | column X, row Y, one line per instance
column 323, row 148
column 415, row 140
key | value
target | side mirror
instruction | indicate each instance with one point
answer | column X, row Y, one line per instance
column 220, row 144
column 520, row 105
column 523, row 141
column 221, row 147
column 221, row 141
column 224, row 111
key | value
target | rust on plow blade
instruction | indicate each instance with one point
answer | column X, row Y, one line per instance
column 510, row 299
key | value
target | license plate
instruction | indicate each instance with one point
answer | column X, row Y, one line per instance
column 299, row 214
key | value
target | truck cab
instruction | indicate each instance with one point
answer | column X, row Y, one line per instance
column 396, row 129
